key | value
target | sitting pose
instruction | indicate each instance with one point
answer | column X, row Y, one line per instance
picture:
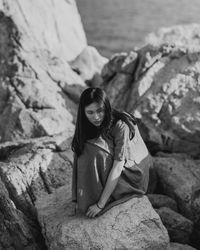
column 111, row 161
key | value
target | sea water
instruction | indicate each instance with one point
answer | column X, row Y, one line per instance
column 121, row 25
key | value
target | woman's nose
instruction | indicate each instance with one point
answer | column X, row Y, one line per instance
column 96, row 116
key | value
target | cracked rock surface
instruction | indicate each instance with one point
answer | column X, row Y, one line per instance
column 131, row 225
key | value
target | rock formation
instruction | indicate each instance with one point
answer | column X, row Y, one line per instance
column 180, row 35
column 45, row 63
column 131, row 225
column 28, row 169
column 39, row 88
column 184, row 187
column 160, row 86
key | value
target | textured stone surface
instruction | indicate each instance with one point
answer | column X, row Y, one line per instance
column 159, row 85
column 15, row 230
column 33, row 65
column 180, row 35
column 178, row 246
column 87, row 63
column 48, row 26
column 44, row 61
column 39, row 88
column 160, row 200
column 131, row 225
column 179, row 178
column 178, row 227
column 28, row 169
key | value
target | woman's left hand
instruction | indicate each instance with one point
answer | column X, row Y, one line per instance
column 93, row 211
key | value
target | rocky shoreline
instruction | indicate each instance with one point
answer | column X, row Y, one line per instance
column 43, row 70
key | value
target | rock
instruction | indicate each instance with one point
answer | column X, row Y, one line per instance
column 180, row 35
column 64, row 36
column 15, row 230
column 34, row 167
column 35, row 72
column 195, row 237
column 39, row 87
column 159, row 86
column 131, row 225
column 179, row 178
column 89, row 65
column 178, row 227
column 178, row 246
column 153, row 180
column 28, row 169
column 160, row 200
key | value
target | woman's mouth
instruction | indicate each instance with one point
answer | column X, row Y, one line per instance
column 97, row 122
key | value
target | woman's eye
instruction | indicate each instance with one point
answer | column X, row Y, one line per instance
column 100, row 110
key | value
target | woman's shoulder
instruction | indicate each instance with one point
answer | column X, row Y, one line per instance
column 118, row 127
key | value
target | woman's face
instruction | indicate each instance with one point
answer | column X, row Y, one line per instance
column 95, row 113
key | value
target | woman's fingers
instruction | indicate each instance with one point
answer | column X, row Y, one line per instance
column 92, row 211
column 91, row 214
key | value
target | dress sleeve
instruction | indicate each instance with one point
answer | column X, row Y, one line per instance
column 121, row 136
column 74, row 179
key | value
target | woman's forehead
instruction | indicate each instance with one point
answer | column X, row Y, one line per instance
column 94, row 106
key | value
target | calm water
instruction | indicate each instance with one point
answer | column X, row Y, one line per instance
column 120, row 25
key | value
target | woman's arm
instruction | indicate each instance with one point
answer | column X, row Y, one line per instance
column 109, row 188
column 120, row 135
column 111, row 182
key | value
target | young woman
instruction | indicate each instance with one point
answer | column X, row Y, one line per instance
column 111, row 161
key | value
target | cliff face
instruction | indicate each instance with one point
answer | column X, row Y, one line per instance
column 42, row 72
column 42, row 54
column 47, row 26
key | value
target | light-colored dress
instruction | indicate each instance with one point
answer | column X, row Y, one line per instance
column 92, row 167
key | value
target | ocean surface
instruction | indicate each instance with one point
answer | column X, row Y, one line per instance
column 121, row 25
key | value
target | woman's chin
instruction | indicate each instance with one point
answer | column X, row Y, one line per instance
column 97, row 124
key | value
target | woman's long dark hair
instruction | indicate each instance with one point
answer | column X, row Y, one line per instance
column 86, row 130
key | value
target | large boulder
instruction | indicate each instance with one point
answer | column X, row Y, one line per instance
column 28, row 169
column 87, row 63
column 131, row 225
column 160, row 200
column 178, row 227
column 39, row 89
column 46, row 26
column 160, row 86
column 15, row 231
column 179, row 178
